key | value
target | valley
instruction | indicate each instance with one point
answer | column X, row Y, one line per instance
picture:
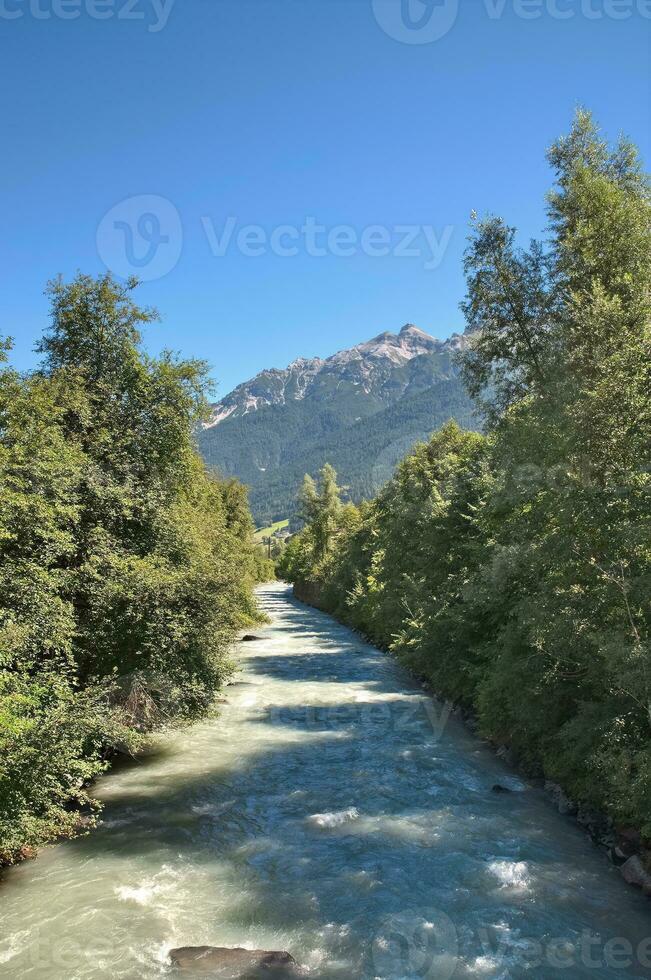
column 361, row 409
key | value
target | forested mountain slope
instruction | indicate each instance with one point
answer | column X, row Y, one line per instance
column 361, row 409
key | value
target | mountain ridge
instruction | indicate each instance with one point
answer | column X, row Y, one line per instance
column 295, row 381
column 349, row 409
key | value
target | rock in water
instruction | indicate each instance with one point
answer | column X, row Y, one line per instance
column 233, row 964
column 564, row 804
column 250, row 638
column 634, row 872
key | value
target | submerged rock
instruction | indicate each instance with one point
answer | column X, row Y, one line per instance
column 628, row 842
column 497, row 788
column 249, row 638
column 634, row 872
column 233, row 964
column 338, row 819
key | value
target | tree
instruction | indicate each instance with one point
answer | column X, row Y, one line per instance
column 510, row 312
column 125, row 568
column 515, row 570
column 321, row 509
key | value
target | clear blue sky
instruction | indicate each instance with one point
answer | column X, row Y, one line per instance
column 271, row 111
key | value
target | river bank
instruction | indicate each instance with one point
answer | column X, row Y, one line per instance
column 623, row 846
column 333, row 810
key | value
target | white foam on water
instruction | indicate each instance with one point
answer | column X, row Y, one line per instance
column 146, row 891
column 338, row 819
column 484, row 964
column 340, row 930
column 511, row 874
column 13, row 945
column 422, row 831
column 141, row 894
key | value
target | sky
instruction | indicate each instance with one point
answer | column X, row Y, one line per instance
column 289, row 177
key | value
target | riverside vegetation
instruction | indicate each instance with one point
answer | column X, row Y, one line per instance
column 125, row 568
column 513, row 569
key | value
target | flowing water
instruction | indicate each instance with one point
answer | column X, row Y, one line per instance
column 335, row 811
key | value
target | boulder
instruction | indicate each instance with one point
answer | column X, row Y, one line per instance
column 598, row 826
column 634, row 872
column 617, row 856
column 233, row 964
column 563, row 803
column 249, row 638
column 500, row 789
column 629, row 841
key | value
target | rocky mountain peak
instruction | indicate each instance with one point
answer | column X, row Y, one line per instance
column 360, row 409
column 411, row 330
column 365, row 366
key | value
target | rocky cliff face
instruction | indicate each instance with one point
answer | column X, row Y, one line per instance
column 360, row 409
column 369, row 366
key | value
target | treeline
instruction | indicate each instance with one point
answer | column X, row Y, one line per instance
column 513, row 569
column 362, row 436
column 125, row 568
column 364, row 453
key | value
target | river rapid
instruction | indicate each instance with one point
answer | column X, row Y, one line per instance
column 335, row 811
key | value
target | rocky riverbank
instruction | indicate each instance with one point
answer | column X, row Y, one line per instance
column 624, row 846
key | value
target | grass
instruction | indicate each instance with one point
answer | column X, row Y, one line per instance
column 267, row 532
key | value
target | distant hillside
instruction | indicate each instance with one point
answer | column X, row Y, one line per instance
column 360, row 410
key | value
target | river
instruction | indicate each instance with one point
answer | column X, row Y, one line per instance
column 334, row 811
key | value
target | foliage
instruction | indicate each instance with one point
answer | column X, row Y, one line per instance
column 514, row 569
column 362, row 434
column 125, row 568
column 326, row 519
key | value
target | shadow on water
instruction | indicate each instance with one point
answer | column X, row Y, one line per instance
column 329, row 796
column 426, row 831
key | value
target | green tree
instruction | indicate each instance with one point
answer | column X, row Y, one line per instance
column 125, row 568
column 514, row 570
column 321, row 509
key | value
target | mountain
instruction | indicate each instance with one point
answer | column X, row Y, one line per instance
column 360, row 409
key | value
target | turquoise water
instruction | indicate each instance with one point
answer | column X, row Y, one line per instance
column 334, row 811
